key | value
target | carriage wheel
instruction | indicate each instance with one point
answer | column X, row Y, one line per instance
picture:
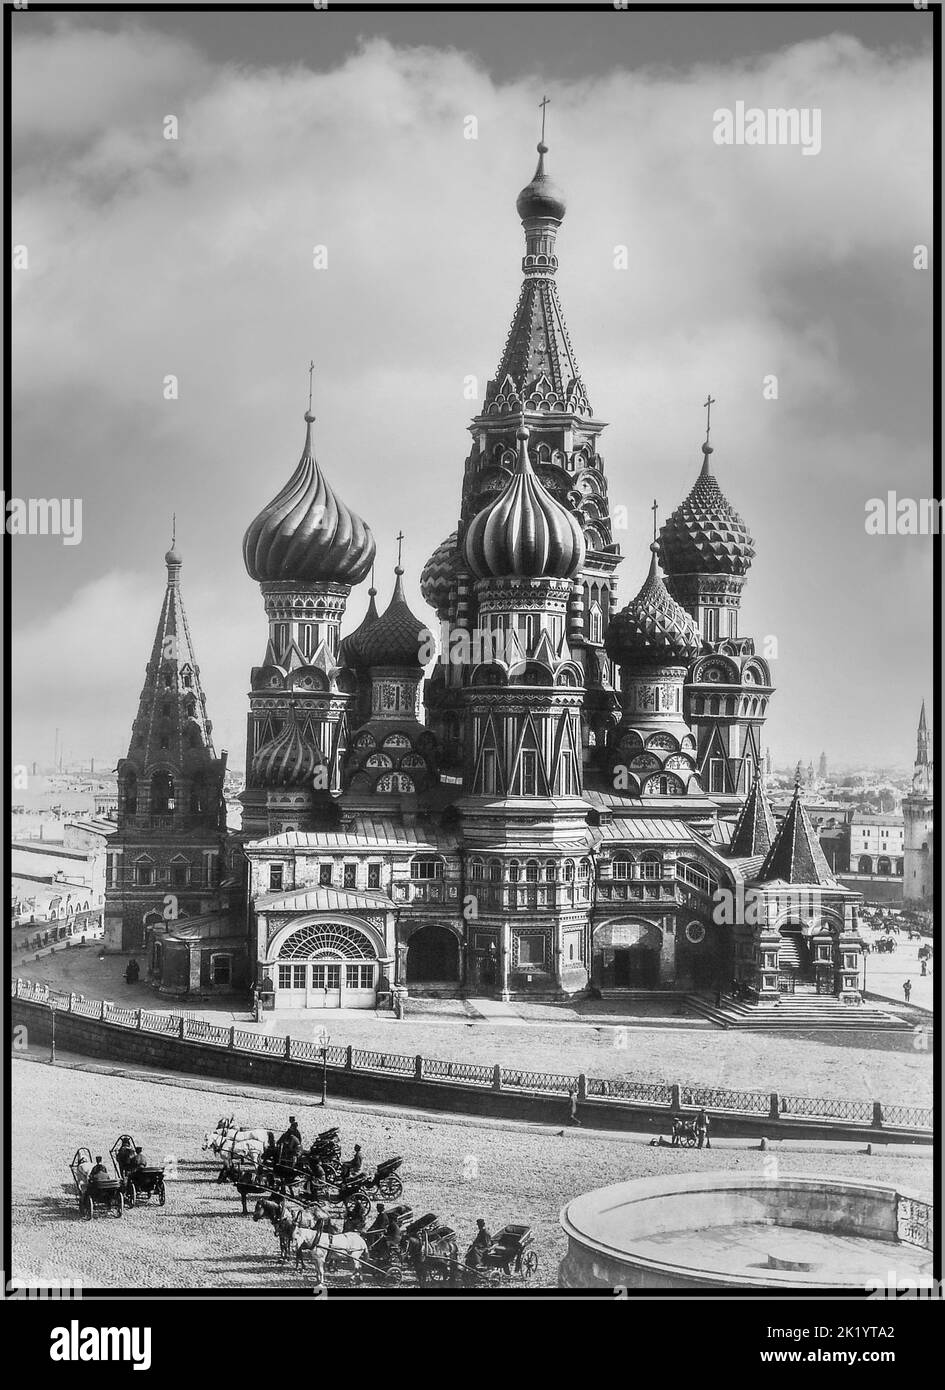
column 85, row 1207
column 361, row 1204
column 435, row 1272
column 530, row 1263
column 690, row 1141
column 332, row 1171
column 132, row 1196
column 394, row 1274
column 161, row 1193
column 119, row 1204
column 390, row 1187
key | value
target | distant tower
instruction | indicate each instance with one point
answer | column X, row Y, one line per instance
column 810, row 774
column 767, row 762
column 164, row 859
column 822, row 768
column 918, row 822
column 799, row 771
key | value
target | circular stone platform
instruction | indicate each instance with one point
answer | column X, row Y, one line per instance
column 724, row 1230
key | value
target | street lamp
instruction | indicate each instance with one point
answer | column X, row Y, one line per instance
column 52, row 1040
column 323, row 1040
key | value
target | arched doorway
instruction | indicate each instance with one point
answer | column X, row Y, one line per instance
column 433, row 957
column 326, row 965
column 795, row 962
column 626, row 955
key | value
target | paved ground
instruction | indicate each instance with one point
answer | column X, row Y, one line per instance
column 454, row 1166
column 646, row 1040
column 886, row 974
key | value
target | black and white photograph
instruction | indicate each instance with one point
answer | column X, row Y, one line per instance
column 472, row 577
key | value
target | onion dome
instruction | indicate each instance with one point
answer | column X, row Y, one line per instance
column 541, row 197
column 705, row 535
column 306, row 533
column 524, row 531
column 396, row 637
column 349, row 650
column 653, row 628
column 285, row 761
column 437, row 575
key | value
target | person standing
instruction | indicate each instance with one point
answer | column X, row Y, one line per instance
column 907, row 989
column 573, row 1108
column 702, row 1128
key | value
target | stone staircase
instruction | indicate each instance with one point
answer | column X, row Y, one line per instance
column 797, row 1012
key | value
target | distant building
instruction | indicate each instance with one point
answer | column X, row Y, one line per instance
column 822, row 768
column 918, row 816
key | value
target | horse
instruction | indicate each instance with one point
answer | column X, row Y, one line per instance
column 322, row 1244
column 216, row 1140
column 283, row 1222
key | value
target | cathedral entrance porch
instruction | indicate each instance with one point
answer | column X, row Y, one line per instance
column 324, row 965
column 432, row 961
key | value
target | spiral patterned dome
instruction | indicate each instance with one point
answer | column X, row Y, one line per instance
column 397, row 636
column 285, row 761
column 524, row 531
column 541, row 197
column 705, row 535
column 653, row 627
column 306, row 533
column 349, row 650
column 436, row 577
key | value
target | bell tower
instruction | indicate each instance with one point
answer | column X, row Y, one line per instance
column 164, row 861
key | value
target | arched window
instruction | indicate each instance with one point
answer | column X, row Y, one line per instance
column 595, row 624
column 199, row 800
column 131, row 793
column 651, row 864
column 883, row 866
column 495, row 871
column 144, row 872
column 622, row 866
column 569, row 871
column 532, row 871
column 475, row 868
column 162, row 794
column 515, row 870
column 864, row 864
column 551, row 870
column 584, row 868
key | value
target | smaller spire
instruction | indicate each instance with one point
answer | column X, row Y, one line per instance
column 172, row 557
column 922, row 724
column 707, row 449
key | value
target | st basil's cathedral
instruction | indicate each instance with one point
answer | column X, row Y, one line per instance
column 569, row 799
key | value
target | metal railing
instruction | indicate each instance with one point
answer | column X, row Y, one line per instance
column 618, row 1089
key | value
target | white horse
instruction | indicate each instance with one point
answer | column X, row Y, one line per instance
column 350, row 1248
column 227, row 1136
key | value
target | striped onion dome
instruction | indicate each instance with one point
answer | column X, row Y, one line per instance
column 396, row 637
column 705, row 535
column 653, row 627
column 524, row 531
column 285, row 761
column 349, row 650
column 437, row 575
column 306, row 533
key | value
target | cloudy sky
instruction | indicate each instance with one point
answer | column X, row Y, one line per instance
column 193, row 257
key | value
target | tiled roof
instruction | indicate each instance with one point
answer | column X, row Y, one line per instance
column 645, row 828
column 365, row 832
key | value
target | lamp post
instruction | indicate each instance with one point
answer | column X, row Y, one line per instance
column 323, row 1040
column 52, row 1040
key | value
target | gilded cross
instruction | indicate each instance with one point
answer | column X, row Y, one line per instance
column 400, row 543
column 543, row 104
column 708, row 403
column 311, row 373
column 653, row 509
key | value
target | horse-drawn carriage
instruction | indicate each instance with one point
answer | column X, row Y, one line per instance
column 684, row 1133
column 94, row 1190
column 509, row 1254
column 138, row 1184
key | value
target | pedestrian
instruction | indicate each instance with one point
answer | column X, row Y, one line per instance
column 702, row 1128
column 573, row 1102
column 925, row 967
column 907, row 989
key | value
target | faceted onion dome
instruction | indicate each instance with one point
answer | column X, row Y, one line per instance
column 524, row 531
column 349, row 649
column 705, row 535
column 306, row 533
column 436, row 578
column 541, row 197
column 652, row 627
column 285, row 761
column 396, row 637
